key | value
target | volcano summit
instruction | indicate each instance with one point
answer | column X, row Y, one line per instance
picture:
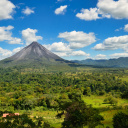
column 34, row 51
column 34, row 55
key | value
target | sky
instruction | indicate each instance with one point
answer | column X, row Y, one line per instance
column 72, row 29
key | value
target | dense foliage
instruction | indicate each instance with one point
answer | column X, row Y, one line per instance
column 60, row 92
column 120, row 120
column 27, row 90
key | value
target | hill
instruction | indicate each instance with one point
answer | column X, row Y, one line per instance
column 121, row 62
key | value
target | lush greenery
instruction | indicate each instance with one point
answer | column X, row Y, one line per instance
column 120, row 120
column 66, row 96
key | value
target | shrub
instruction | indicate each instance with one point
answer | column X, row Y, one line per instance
column 110, row 100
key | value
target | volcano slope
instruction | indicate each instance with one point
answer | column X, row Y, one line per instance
column 36, row 56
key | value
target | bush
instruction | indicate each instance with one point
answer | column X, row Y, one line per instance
column 125, row 95
column 110, row 100
column 47, row 125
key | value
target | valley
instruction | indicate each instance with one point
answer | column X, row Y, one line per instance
column 41, row 95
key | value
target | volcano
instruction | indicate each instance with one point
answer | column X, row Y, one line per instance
column 34, row 51
column 34, row 55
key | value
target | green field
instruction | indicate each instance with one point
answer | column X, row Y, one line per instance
column 98, row 101
column 107, row 111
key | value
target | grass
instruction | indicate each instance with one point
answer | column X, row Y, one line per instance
column 108, row 115
column 47, row 115
column 125, row 78
column 98, row 101
column 95, row 101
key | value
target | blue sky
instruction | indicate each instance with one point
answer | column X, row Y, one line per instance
column 72, row 29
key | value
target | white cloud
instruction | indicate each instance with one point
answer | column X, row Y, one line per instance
column 17, row 49
column 19, row 5
column 6, row 9
column 29, row 35
column 58, row 47
column 79, row 53
column 60, row 0
column 63, row 49
column 9, row 27
column 61, row 10
column 106, row 9
column 126, row 27
column 6, row 35
column 100, row 56
column 4, row 53
column 28, row 11
column 117, row 55
column 118, row 29
column 113, row 43
column 117, row 9
column 78, row 39
column 61, row 54
column 91, row 14
column 15, row 41
column 72, row 53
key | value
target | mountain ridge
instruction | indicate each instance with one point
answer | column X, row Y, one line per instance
column 121, row 62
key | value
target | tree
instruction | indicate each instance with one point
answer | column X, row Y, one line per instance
column 47, row 125
column 125, row 95
column 78, row 114
column 87, row 91
column 120, row 120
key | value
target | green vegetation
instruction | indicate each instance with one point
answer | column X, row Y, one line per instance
column 63, row 99
column 120, row 120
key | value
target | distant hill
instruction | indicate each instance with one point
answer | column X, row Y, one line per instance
column 36, row 56
column 121, row 62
